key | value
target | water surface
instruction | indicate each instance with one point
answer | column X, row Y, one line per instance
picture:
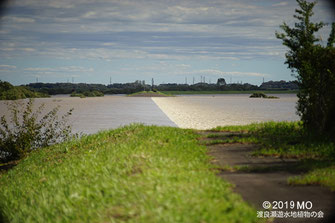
column 91, row 115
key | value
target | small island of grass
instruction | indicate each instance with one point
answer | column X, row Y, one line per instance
column 149, row 94
column 87, row 94
column 262, row 95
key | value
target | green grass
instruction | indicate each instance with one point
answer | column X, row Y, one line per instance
column 288, row 139
column 229, row 92
column 151, row 92
column 87, row 94
column 321, row 176
column 135, row 173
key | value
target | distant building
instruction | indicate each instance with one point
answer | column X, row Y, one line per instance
column 221, row 82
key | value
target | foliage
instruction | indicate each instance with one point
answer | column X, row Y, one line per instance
column 129, row 88
column 150, row 94
column 314, row 65
column 228, row 92
column 88, row 94
column 93, row 94
column 74, row 94
column 67, row 88
column 132, row 174
column 10, row 92
column 27, row 131
column 261, row 95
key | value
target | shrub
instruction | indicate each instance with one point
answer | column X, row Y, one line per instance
column 26, row 131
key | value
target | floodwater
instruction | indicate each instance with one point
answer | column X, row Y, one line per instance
column 209, row 111
column 197, row 111
column 91, row 115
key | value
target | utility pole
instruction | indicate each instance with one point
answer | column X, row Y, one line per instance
column 152, row 84
column 36, row 79
column 110, row 80
column 193, row 80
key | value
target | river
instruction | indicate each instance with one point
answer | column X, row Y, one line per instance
column 91, row 115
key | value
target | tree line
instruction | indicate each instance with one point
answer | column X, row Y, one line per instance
column 129, row 88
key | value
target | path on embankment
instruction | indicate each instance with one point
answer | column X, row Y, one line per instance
column 265, row 179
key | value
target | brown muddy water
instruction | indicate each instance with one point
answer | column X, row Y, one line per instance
column 91, row 115
column 197, row 111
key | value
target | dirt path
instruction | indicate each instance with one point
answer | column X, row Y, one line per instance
column 265, row 179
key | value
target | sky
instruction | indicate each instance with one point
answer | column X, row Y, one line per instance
column 172, row 41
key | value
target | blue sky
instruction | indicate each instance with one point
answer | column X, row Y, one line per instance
column 92, row 41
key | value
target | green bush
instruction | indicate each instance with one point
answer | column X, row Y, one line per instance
column 26, row 132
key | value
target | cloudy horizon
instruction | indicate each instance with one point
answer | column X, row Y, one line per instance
column 93, row 41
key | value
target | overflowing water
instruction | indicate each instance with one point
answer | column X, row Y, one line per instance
column 208, row 111
column 197, row 111
column 91, row 115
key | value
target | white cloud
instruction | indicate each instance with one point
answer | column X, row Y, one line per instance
column 59, row 69
column 280, row 4
column 28, row 49
column 109, row 44
column 16, row 19
column 6, row 68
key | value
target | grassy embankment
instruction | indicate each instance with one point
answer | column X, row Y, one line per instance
column 288, row 139
column 136, row 174
column 230, row 92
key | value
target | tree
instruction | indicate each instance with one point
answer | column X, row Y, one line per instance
column 314, row 67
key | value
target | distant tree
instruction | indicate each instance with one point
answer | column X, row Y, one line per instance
column 314, row 67
column 221, row 81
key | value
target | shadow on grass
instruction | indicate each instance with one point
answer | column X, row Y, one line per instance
column 298, row 167
column 3, row 218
